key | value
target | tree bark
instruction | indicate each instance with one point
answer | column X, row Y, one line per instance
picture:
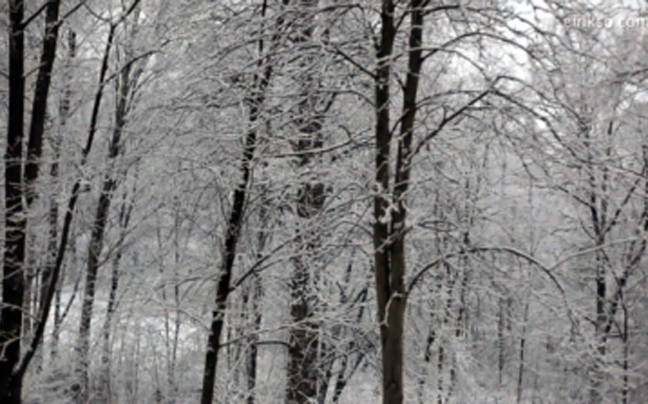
column 80, row 388
column 229, row 254
column 389, row 241
column 15, row 222
column 19, row 186
column 39, row 105
column 255, row 104
column 105, row 376
column 304, row 380
column 382, row 217
column 53, row 214
column 109, row 185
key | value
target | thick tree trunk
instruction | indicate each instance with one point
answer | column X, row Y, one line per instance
column 389, row 241
column 382, row 219
column 18, row 188
column 35, row 147
column 39, row 105
column 15, row 223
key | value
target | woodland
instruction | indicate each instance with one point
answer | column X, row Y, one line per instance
column 324, row 201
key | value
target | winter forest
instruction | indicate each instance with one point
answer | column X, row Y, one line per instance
column 324, row 201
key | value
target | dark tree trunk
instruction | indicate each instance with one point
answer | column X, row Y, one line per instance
column 17, row 188
column 35, row 146
column 389, row 241
column 520, row 380
column 109, row 185
column 382, row 219
column 233, row 227
column 53, row 214
column 80, row 387
column 39, row 105
column 69, row 213
column 15, row 224
column 229, row 254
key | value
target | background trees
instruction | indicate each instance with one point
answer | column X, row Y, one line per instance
column 262, row 176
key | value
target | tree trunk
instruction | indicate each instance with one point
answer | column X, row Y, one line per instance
column 389, row 241
column 39, row 105
column 97, row 236
column 53, row 214
column 105, row 387
column 18, row 187
column 253, row 296
column 303, row 375
column 173, row 388
column 381, row 242
column 626, row 356
column 304, row 380
column 304, row 339
column 233, row 226
column 94, row 253
column 229, row 254
column 520, row 380
column 252, row 301
column 15, row 224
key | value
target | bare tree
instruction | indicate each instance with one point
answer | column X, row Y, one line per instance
column 124, row 87
column 19, row 186
column 255, row 104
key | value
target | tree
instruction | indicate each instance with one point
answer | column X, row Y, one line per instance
column 125, row 84
column 255, row 104
column 305, row 381
column 399, row 201
column 19, row 186
column 389, row 228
